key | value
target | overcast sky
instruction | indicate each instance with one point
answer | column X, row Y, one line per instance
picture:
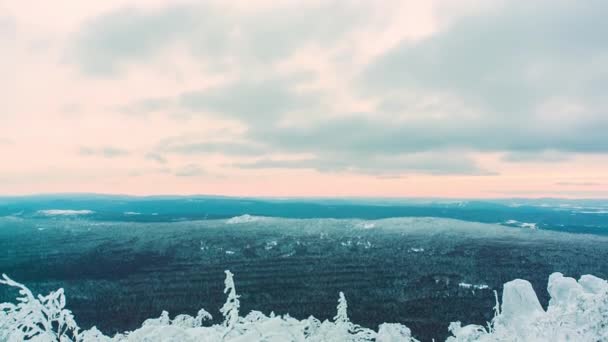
column 470, row 98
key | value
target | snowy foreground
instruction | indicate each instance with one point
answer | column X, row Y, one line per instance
column 578, row 311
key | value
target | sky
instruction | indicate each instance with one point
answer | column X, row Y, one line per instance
column 453, row 98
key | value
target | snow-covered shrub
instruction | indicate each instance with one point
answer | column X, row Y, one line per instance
column 45, row 319
column 42, row 318
column 578, row 311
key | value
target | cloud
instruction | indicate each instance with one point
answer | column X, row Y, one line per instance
column 578, row 184
column 581, row 194
column 225, row 147
column 157, row 157
column 128, row 35
column 500, row 58
column 8, row 26
column 507, row 66
column 217, row 143
column 214, row 31
column 145, row 106
column 252, row 102
column 106, row 152
column 190, row 170
column 377, row 165
column 536, row 156
column 503, row 80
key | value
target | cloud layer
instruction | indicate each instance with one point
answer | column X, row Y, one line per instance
column 494, row 91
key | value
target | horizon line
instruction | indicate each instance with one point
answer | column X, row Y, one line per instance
column 75, row 194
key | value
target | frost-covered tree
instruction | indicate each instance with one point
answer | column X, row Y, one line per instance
column 230, row 309
column 342, row 310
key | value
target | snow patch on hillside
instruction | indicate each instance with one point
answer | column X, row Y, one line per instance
column 243, row 219
column 473, row 286
column 521, row 224
column 367, row 225
column 64, row 212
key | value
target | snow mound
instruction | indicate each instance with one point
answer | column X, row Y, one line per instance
column 243, row 219
column 64, row 212
column 577, row 311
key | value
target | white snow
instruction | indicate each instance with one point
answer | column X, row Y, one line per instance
column 131, row 213
column 64, row 212
column 416, row 249
column 522, row 224
column 270, row 245
column 474, row 286
column 367, row 225
column 577, row 311
column 528, row 225
column 243, row 219
column 592, row 212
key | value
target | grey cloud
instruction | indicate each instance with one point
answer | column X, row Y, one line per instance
column 504, row 60
column 146, row 106
column 128, row 35
column 499, row 67
column 378, row 165
column 142, row 172
column 366, row 134
column 504, row 65
column 251, row 102
column 8, row 26
column 157, row 157
column 186, row 145
column 106, row 152
column 578, row 193
column 190, row 170
column 536, row 156
column 578, row 184
column 259, row 101
column 230, row 148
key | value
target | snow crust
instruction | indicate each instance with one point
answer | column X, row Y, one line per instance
column 577, row 311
